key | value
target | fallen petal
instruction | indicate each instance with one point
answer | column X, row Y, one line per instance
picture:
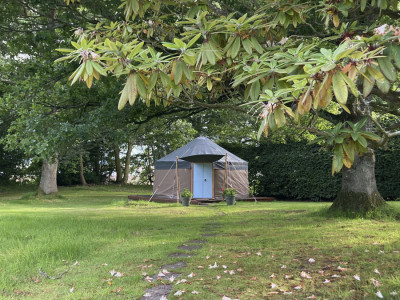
column 231, row 272
column 272, row 276
column 375, row 282
column 379, row 294
column 327, row 281
column 195, row 292
column 191, row 275
column 218, row 277
column 71, row 289
column 161, row 274
column 178, row 293
column 311, row 260
column 305, row 275
column 297, row 287
column 147, row 295
column 273, row 286
column 165, row 271
column 357, row 277
column 283, row 267
column 394, row 293
column 376, row 271
column 258, row 253
column 224, row 266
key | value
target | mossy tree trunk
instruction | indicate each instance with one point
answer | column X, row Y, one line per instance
column 48, row 179
column 128, row 161
column 359, row 193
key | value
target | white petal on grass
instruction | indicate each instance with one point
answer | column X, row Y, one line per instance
column 379, row 294
column 218, row 277
column 381, row 252
column 118, row 274
column 283, row 267
column 366, row 250
column 220, row 256
column 297, row 287
column 394, row 293
column 113, row 272
column 231, row 272
column 258, row 253
column 357, row 277
column 195, row 292
column 76, row 263
column 213, row 266
column 191, row 275
column 376, row 271
column 71, row 290
column 178, row 293
column 327, row 281
column 272, row 276
column 226, row 298
column 161, row 274
column 207, row 257
column 305, row 275
column 148, row 278
column 336, row 276
column 171, row 279
column 224, row 266
column 147, row 295
column 105, row 264
column 311, row 260
column 165, row 271
column 273, row 286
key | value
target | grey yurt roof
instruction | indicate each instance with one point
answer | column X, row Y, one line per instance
column 200, row 149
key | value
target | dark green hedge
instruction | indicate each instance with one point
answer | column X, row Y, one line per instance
column 303, row 172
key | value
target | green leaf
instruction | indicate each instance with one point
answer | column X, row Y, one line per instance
column 362, row 141
column 387, row 68
column 178, row 72
column 153, row 81
column 65, row 50
column 383, row 85
column 255, row 90
column 193, row 40
column 78, row 73
column 339, row 88
column 256, row 45
column 360, row 124
column 368, row 84
column 132, row 89
column 396, row 55
column 247, row 46
column 235, row 47
column 141, row 87
column 89, row 67
column 371, row 136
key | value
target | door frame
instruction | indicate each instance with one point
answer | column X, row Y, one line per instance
column 191, row 176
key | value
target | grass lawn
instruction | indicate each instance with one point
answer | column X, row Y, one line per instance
column 267, row 247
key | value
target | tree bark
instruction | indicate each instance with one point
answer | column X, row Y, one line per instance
column 359, row 192
column 81, row 173
column 128, row 161
column 118, row 167
column 48, row 179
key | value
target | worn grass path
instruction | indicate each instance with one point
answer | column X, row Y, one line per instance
column 266, row 248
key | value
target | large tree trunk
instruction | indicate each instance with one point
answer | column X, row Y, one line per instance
column 118, row 168
column 359, row 193
column 128, row 161
column 48, row 180
column 81, row 173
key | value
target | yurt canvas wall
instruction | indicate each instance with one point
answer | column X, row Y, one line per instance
column 204, row 179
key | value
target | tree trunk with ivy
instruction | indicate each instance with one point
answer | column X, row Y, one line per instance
column 359, row 192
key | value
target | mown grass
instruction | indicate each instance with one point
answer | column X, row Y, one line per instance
column 98, row 229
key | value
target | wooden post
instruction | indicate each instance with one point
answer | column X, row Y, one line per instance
column 178, row 183
column 226, row 167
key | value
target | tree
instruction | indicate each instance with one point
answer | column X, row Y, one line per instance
column 333, row 60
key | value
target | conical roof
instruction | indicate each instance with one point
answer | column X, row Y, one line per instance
column 201, row 149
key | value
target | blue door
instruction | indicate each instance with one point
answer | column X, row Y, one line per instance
column 202, row 180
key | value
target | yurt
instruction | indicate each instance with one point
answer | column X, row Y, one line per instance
column 204, row 168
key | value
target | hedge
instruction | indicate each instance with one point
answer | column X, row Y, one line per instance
column 298, row 171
